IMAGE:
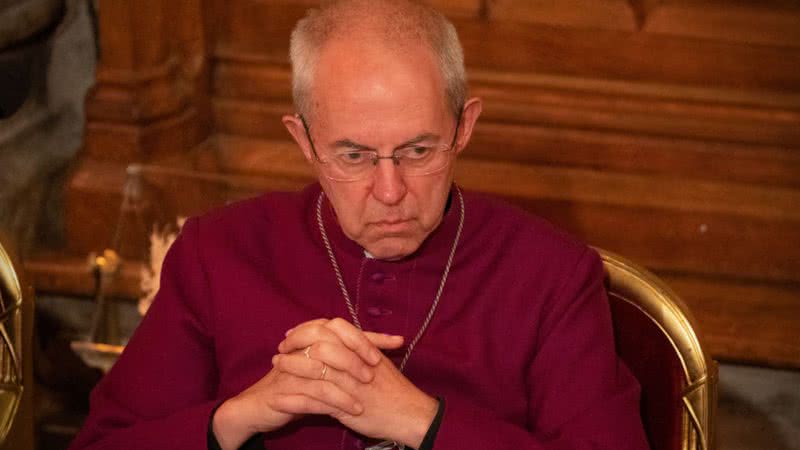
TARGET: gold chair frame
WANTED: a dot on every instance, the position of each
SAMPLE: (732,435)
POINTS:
(11,378)
(637,286)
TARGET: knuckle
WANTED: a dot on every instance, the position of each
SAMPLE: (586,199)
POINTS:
(337,323)
(323,350)
(314,333)
(356,367)
(318,350)
(321,390)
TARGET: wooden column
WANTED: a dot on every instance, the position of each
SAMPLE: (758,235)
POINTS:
(149,104)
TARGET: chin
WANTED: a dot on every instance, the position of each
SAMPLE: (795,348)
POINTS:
(392,248)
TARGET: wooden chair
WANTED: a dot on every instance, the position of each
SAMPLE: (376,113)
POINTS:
(16,328)
(656,338)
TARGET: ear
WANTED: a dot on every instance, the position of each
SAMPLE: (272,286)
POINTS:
(469,115)
(294,125)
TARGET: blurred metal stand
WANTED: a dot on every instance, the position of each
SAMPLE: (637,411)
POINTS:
(105,344)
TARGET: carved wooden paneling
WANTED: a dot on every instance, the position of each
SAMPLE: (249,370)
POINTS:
(460,8)
(664,130)
(149,77)
(616,55)
(771,22)
(749,21)
(126,142)
(607,15)
(748,321)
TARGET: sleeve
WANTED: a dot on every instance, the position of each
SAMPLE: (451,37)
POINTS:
(581,396)
(161,392)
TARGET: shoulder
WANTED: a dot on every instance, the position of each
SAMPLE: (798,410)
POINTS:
(246,226)
(519,230)
(526,250)
(268,208)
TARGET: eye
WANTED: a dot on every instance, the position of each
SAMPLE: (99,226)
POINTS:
(353,158)
(416,152)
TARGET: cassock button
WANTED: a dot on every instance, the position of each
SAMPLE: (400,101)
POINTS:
(376,311)
(377,277)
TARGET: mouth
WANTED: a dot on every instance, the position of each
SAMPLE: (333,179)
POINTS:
(392,226)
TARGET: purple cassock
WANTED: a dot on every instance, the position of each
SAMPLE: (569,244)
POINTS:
(520,348)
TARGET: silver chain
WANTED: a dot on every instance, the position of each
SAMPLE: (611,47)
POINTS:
(346,296)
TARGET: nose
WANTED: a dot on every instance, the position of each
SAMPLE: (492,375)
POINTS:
(388,187)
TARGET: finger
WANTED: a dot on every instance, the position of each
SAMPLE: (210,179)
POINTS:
(384,341)
(355,340)
(310,322)
(340,330)
(300,366)
(303,404)
(306,334)
(322,391)
(338,357)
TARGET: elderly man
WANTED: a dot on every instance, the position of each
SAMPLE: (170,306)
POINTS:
(382,307)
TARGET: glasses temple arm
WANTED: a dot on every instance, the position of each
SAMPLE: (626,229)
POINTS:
(458,124)
(308,135)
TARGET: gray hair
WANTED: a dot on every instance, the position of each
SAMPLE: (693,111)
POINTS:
(395,22)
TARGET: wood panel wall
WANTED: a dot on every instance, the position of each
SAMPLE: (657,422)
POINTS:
(667,131)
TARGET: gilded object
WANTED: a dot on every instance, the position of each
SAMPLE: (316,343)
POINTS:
(11,297)
(640,288)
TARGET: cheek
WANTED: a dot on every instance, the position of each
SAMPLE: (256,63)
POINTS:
(349,203)
(431,196)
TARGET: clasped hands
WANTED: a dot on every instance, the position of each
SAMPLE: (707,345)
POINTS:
(330,367)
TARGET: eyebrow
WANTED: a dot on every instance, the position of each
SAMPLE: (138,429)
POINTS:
(347,143)
(419,138)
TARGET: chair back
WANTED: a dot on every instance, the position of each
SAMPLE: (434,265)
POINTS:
(657,341)
(11,297)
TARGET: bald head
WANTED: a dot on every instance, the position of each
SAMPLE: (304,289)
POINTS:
(396,27)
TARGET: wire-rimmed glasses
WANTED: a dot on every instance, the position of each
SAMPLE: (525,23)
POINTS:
(355,164)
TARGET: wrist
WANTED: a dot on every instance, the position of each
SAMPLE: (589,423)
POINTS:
(227,426)
(420,421)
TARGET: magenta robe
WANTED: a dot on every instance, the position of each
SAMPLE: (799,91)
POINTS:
(521,346)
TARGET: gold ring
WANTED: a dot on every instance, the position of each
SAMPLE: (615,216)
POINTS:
(324,371)
(307,351)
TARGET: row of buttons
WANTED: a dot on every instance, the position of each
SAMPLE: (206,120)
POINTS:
(375,311)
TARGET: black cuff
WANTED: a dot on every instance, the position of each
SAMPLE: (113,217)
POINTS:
(254,443)
(430,436)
